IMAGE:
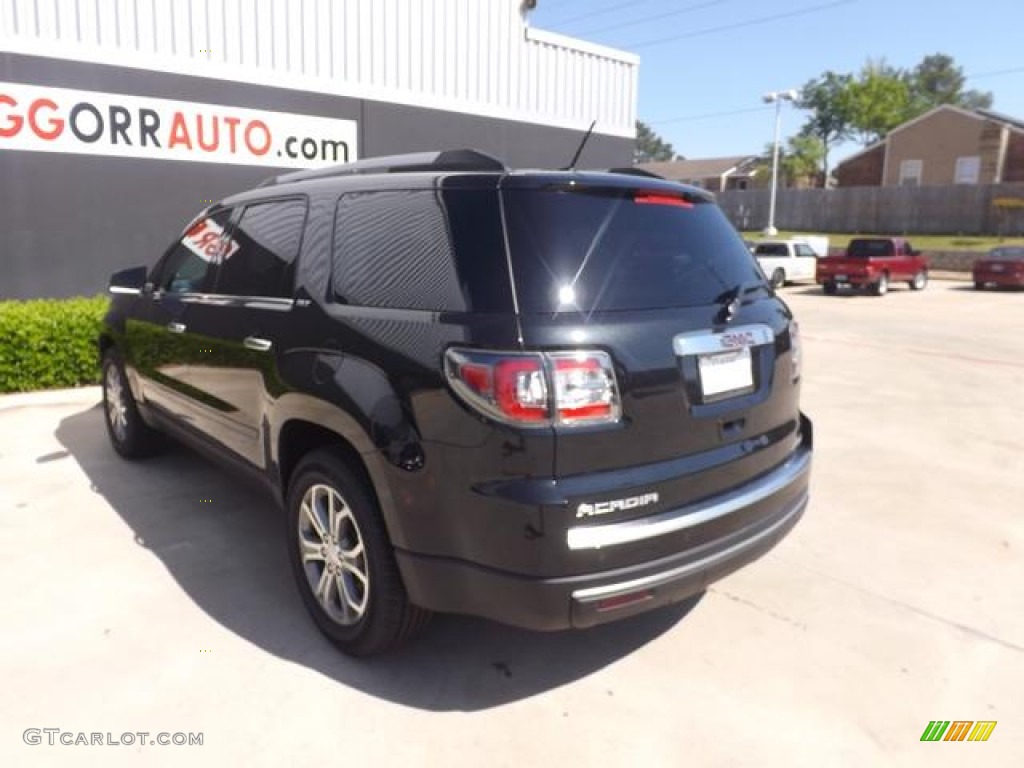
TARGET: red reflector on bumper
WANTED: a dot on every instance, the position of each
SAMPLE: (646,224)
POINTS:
(621,601)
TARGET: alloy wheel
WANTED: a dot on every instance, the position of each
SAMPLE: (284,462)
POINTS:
(117,407)
(333,555)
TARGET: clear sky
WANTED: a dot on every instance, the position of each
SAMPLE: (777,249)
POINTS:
(701,58)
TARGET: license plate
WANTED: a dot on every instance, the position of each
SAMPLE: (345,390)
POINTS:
(996,268)
(724,372)
(840,278)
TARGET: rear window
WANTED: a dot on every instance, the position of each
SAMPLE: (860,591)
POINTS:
(620,249)
(1007,254)
(865,249)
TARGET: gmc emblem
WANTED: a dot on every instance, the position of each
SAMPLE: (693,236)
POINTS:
(738,339)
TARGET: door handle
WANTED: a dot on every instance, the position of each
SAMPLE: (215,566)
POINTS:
(257,344)
(176,327)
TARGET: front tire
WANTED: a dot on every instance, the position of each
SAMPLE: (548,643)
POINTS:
(778,278)
(920,281)
(129,435)
(343,562)
(882,286)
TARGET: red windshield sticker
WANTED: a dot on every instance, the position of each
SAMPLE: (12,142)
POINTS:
(650,198)
(206,240)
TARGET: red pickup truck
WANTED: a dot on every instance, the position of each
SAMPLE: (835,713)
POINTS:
(873,263)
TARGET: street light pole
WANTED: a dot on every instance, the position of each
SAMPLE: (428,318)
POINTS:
(777,98)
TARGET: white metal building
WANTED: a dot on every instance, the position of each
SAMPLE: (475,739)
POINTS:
(138,111)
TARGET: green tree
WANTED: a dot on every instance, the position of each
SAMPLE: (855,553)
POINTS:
(827,98)
(799,161)
(880,100)
(802,161)
(938,80)
(650,147)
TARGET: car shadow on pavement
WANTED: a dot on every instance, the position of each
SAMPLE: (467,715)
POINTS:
(811,290)
(222,542)
(969,288)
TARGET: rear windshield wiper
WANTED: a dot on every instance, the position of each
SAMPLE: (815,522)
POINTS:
(731,300)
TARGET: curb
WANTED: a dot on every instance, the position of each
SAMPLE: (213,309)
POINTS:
(76,396)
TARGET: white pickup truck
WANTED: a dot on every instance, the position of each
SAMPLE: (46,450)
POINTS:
(788,261)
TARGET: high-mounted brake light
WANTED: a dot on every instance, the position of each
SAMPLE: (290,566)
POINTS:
(653,198)
(536,389)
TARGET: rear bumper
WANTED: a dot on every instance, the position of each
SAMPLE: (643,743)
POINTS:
(1003,280)
(854,280)
(451,586)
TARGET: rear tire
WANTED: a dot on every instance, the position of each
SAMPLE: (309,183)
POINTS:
(920,281)
(778,278)
(129,435)
(979,286)
(882,286)
(830,289)
(343,561)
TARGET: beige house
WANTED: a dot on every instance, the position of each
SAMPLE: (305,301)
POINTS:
(946,145)
(712,173)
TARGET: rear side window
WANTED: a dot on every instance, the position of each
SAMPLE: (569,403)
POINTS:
(621,249)
(427,249)
(258,258)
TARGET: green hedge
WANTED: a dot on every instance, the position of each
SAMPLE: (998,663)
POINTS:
(49,343)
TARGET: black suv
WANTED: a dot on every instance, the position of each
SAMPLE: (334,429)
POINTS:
(550,398)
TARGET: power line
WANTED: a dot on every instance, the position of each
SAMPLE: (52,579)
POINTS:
(741,24)
(748,110)
(709,115)
(601,12)
(994,73)
(655,17)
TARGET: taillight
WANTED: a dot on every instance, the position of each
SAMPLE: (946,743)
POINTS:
(536,389)
(795,348)
(585,390)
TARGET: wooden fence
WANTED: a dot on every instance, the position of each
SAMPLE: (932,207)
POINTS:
(947,210)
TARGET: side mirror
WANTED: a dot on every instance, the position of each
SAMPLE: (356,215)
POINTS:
(128,280)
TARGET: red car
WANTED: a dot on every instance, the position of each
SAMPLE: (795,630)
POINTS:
(873,263)
(1003,266)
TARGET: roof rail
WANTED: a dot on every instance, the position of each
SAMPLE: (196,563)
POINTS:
(445,160)
(636,172)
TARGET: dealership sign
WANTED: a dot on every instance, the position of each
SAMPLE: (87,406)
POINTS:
(39,119)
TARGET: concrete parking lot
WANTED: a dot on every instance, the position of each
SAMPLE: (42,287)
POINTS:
(156,597)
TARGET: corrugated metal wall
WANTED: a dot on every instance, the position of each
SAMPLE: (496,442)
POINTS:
(475,56)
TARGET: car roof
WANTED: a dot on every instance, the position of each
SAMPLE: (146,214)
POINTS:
(458,168)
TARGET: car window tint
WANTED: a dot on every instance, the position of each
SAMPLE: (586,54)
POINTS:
(771,249)
(258,256)
(619,249)
(1007,254)
(187,264)
(428,249)
(864,248)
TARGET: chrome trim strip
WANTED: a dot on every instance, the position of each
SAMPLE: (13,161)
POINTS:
(703,343)
(658,579)
(597,536)
(121,290)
